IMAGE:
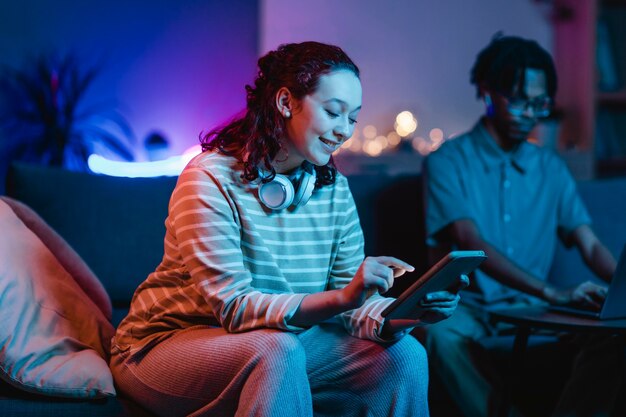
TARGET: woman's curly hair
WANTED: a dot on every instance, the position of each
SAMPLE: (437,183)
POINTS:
(254,138)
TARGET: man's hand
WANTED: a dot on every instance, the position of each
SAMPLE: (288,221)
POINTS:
(588,294)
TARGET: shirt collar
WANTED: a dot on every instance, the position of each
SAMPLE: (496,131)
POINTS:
(492,156)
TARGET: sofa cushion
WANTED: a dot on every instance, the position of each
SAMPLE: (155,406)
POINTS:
(65,254)
(55,340)
(14,402)
(115,224)
(392,217)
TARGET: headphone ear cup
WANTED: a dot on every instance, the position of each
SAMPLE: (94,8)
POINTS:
(278,193)
(305,186)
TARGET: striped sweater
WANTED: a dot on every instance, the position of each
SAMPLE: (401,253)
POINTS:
(231,262)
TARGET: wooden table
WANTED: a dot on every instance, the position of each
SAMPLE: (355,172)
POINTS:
(526,319)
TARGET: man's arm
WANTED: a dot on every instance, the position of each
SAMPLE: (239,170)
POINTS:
(596,256)
(467,236)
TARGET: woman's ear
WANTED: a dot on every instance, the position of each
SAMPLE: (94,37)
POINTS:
(284,102)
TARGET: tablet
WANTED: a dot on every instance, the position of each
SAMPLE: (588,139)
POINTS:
(438,278)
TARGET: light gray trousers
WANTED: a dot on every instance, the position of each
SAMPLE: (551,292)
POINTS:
(323,371)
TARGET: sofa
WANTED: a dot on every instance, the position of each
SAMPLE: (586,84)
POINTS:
(116,226)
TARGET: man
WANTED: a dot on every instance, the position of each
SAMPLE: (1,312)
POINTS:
(491,190)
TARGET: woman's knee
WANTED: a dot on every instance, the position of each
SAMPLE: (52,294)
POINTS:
(277,346)
(409,361)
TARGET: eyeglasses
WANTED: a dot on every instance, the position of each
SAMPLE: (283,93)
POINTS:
(541,106)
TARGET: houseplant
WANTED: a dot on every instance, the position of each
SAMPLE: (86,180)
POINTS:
(45,117)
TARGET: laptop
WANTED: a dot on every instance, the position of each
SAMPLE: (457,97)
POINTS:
(614,306)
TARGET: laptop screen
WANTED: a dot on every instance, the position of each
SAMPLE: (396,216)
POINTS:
(614,306)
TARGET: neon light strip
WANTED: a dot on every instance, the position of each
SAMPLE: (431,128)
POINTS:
(171,166)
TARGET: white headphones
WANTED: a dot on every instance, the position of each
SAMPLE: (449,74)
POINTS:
(284,191)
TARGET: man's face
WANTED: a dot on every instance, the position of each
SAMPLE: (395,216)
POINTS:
(515,116)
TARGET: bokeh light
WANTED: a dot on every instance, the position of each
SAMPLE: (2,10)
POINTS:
(394,139)
(372,148)
(382,141)
(369,132)
(421,145)
(436,135)
(372,142)
(405,123)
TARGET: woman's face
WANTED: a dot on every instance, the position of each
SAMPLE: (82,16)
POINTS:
(322,121)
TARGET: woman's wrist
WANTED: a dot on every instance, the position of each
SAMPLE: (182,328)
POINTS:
(317,307)
(346,300)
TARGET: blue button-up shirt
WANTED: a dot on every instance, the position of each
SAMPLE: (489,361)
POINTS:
(520,201)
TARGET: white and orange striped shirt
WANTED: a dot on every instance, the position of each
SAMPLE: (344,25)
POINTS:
(231,262)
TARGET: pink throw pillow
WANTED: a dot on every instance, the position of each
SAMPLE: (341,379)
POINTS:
(54,339)
(64,253)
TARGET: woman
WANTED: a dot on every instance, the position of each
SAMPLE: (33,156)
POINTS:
(263,304)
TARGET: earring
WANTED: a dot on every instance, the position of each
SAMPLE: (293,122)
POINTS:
(287,114)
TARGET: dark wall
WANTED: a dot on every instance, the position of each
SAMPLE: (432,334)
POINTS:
(177,67)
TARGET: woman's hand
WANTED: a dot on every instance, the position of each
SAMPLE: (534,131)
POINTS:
(434,307)
(376,274)
(437,306)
